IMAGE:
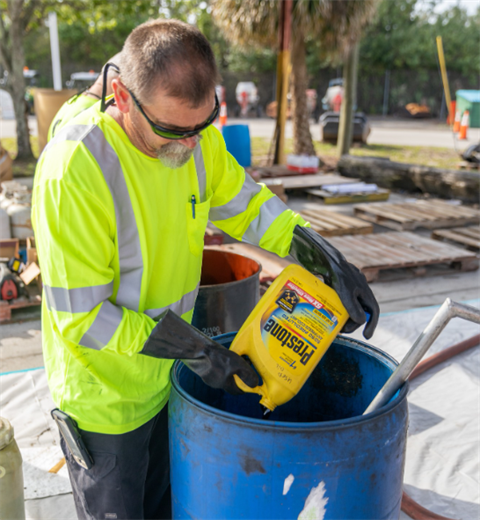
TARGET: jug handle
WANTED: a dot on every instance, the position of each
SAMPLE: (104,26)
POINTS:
(245,388)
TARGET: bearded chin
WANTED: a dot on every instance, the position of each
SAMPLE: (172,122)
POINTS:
(174,155)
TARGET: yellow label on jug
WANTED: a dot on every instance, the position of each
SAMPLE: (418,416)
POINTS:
(288,332)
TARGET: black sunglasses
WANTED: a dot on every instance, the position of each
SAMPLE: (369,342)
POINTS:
(168,133)
(161,131)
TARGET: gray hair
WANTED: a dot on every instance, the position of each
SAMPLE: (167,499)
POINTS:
(172,55)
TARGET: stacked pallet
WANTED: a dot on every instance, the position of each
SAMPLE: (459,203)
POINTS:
(468,237)
(331,224)
(394,250)
(406,216)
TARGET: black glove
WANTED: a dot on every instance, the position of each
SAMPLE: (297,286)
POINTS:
(320,258)
(174,338)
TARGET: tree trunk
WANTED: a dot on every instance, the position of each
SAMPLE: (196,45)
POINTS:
(459,184)
(16,84)
(302,139)
(345,127)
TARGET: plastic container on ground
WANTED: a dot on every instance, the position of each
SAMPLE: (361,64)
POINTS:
(47,103)
(237,140)
(316,456)
(303,163)
(19,212)
(4,224)
(11,475)
(229,290)
(9,189)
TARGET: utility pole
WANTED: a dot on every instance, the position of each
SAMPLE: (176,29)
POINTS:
(446,87)
(55,49)
(345,126)
(283,69)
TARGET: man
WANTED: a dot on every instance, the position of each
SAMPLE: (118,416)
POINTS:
(83,100)
(121,202)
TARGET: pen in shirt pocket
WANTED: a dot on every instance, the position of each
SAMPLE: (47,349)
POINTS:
(194,201)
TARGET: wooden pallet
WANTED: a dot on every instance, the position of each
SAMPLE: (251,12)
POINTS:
(349,198)
(7,309)
(406,216)
(401,250)
(468,237)
(302,182)
(332,224)
(466,165)
(278,170)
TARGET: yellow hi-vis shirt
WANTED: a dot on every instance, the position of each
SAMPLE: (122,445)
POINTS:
(119,242)
(71,108)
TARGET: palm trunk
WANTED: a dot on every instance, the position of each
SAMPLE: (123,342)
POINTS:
(345,130)
(302,139)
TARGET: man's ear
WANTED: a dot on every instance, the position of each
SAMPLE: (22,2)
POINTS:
(122,97)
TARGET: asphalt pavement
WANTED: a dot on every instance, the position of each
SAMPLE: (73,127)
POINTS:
(388,131)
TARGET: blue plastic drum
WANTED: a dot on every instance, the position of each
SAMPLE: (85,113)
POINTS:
(237,139)
(315,457)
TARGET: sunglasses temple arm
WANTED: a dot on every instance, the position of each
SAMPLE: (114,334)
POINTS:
(103,105)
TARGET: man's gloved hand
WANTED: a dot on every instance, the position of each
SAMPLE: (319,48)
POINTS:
(320,258)
(174,338)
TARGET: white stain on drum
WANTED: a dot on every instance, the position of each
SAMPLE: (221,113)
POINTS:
(288,483)
(315,505)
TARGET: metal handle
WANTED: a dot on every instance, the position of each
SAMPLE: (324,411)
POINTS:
(447,311)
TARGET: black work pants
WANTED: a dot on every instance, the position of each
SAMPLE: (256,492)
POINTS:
(131,475)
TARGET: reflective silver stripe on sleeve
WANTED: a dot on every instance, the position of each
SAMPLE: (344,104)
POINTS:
(104,326)
(269,211)
(81,299)
(68,133)
(239,203)
(201,172)
(130,254)
(180,307)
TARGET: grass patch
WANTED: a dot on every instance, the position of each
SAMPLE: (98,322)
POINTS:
(426,156)
(21,168)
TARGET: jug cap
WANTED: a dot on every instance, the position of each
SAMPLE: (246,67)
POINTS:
(6,433)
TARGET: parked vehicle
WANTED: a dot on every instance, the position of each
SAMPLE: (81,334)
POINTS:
(82,80)
(330,121)
(334,95)
(247,97)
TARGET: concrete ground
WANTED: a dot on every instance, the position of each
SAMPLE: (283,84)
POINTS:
(20,343)
(8,127)
(388,131)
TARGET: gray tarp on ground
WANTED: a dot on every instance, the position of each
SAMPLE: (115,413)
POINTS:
(442,470)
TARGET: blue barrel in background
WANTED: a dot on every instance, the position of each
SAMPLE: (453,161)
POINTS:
(316,457)
(237,139)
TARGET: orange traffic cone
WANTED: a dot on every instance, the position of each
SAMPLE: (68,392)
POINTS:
(456,122)
(222,120)
(462,134)
(451,112)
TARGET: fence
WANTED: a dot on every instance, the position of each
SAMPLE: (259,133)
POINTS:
(378,92)
(383,92)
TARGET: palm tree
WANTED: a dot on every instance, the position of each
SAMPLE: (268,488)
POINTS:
(337,24)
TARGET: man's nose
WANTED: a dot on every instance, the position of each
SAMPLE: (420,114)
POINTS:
(189,142)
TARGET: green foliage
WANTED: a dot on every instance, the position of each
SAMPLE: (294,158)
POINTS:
(403,37)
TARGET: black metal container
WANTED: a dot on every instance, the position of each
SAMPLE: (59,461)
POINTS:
(229,290)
